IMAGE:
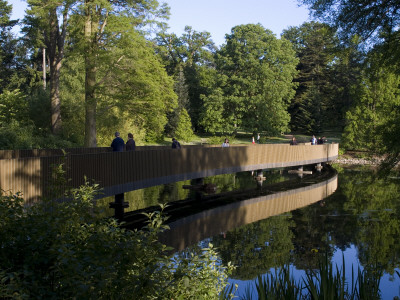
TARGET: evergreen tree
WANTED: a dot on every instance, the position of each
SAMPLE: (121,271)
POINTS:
(183,130)
(10,51)
(315,45)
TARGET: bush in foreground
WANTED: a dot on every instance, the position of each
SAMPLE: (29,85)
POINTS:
(62,250)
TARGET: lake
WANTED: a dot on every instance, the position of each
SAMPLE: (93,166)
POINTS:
(284,219)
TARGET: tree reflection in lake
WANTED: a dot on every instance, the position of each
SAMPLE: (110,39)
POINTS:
(361,217)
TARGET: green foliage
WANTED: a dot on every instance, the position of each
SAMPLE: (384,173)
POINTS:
(253,83)
(17,136)
(62,250)
(375,108)
(279,286)
(184,130)
(187,58)
(327,74)
(13,107)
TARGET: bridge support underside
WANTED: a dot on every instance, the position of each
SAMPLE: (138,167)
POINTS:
(140,184)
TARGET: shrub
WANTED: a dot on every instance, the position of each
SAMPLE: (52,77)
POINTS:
(55,250)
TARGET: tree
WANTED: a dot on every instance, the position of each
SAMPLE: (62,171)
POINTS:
(50,19)
(317,48)
(255,87)
(376,22)
(352,17)
(374,107)
(183,130)
(104,26)
(191,54)
(133,91)
(10,50)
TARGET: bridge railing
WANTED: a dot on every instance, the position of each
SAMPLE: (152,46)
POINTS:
(119,172)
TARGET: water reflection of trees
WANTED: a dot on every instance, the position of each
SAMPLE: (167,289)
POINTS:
(257,247)
(375,203)
(364,211)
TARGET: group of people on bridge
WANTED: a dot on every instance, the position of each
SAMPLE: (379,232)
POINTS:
(118,144)
(313,140)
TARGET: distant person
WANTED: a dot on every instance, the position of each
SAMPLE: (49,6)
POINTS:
(258,138)
(313,140)
(118,143)
(225,143)
(175,144)
(130,144)
(293,141)
(252,140)
(321,140)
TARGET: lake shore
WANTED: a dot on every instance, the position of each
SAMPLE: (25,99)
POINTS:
(346,160)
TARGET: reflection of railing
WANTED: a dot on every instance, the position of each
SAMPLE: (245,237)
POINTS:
(29,171)
(188,231)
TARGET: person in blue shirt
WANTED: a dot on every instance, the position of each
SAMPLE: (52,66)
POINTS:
(175,144)
(118,143)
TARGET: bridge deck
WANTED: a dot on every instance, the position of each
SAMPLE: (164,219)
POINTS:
(29,171)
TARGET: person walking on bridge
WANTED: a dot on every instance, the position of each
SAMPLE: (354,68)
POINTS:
(175,144)
(313,140)
(118,143)
(293,141)
(130,144)
(225,143)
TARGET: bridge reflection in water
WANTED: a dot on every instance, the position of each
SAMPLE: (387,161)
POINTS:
(190,230)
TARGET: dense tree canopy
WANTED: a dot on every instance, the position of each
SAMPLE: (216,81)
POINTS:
(328,71)
(253,83)
(354,17)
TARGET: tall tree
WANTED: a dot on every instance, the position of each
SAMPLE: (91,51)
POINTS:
(8,48)
(191,53)
(322,68)
(374,107)
(51,21)
(376,22)
(253,83)
(104,24)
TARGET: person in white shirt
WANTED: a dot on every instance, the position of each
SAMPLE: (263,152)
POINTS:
(225,143)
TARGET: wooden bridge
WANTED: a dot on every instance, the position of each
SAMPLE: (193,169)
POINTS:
(30,171)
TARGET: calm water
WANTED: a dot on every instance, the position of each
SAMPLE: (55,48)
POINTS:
(353,214)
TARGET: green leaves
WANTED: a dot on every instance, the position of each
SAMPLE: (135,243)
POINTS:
(259,70)
(64,250)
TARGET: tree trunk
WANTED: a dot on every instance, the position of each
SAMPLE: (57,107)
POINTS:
(90,79)
(55,97)
(55,57)
(44,68)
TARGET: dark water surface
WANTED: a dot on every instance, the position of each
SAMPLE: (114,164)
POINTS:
(351,214)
